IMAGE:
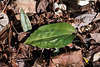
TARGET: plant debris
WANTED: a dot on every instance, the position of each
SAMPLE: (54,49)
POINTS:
(58,48)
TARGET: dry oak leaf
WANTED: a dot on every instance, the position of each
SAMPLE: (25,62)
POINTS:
(29,6)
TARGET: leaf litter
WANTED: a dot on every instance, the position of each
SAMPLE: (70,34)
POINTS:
(85,19)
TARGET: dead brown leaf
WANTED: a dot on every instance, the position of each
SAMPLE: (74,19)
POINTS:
(4,26)
(42,6)
(22,35)
(3,21)
(93,49)
(29,6)
(67,59)
(95,36)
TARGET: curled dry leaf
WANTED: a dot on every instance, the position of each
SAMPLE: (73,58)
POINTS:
(67,59)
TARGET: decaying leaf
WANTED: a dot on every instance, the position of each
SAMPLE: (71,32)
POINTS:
(25,22)
(4,26)
(3,21)
(53,35)
(95,36)
(70,59)
(42,6)
(94,51)
(21,36)
(85,19)
(29,6)
(96,57)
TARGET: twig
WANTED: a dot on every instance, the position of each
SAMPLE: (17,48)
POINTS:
(40,21)
(2,44)
(5,6)
(15,29)
(10,31)
(81,38)
(94,22)
(18,50)
(92,48)
(42,52)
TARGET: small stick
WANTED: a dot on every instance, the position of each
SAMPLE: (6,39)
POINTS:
(5,7)
(14,27)
(81,38)
(2,44)
(18,50)
(42,52)
(40,21)
(10,31)
(94,22)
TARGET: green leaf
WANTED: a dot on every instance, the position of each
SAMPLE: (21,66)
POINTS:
(25,22)
(53,35)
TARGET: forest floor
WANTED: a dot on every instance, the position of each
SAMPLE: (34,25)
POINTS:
(83,51)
